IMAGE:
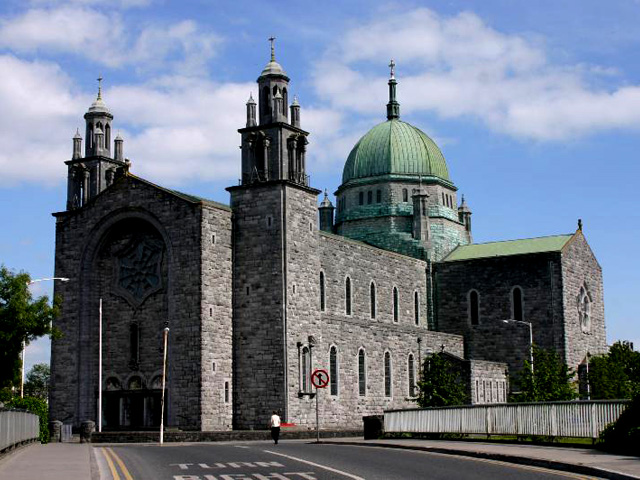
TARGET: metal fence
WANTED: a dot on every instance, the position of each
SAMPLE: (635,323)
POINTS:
(17,426)
(553,419)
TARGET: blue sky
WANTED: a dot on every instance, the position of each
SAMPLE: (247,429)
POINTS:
(536,106)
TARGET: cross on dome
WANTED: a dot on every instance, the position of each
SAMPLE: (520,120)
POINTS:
(100,87)
(392,66)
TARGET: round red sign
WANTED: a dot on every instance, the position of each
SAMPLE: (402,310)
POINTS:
(320,378)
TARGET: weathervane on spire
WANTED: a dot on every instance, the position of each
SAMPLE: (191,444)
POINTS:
(392,66)
(100,87)
(272,40)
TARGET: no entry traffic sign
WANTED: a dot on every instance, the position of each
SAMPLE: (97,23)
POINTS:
(320,378)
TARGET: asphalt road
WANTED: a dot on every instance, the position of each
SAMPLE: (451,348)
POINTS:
(299,460)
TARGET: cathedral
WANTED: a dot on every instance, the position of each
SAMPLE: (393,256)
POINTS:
(259,293)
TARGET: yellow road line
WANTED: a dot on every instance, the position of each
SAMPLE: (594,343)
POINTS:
(112,467)
(123,469)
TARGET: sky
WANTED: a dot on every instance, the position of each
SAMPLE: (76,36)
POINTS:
(535,105)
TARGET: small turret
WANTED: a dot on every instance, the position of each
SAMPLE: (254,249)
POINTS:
(77,145)
(277,107)
(464,215)
(326,209)
(295,112)
(420,214)
(118,151)
(251,112)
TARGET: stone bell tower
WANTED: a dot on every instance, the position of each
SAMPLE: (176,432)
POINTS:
(275,225)
(91,174)
(273,145)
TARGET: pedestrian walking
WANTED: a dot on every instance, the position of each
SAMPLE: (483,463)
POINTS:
(274,424)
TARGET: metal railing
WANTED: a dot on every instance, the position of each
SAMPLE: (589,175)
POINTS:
(17,426)
(552,419)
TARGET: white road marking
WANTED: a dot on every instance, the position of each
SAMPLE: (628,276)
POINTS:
(241,446)
(340,472)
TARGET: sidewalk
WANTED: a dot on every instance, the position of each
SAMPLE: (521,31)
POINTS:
(578,460)
(54,461)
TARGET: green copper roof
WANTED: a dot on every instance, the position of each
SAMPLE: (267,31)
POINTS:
(510,247)
(395,147)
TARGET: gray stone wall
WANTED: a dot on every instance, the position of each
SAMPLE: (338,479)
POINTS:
(539,277)
(216,319)
(488,382)
(258,303)
(339,258)
(581,269)
(86,241)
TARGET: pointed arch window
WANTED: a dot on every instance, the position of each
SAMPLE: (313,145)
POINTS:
(305,369)
(516,304)
(285,101)
(347,296)
(396,308)
(405,195)
(361,198)
(322,293)
(411,371)
(387,374)
(378,196)
(333,369)
(416,307)
(134,345)
(474,307)
(369,197)
(372,299)
(584,309)
(362,373)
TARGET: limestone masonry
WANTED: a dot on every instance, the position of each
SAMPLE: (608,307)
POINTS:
(260,293)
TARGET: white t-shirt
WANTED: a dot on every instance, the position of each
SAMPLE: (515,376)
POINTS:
(275,420)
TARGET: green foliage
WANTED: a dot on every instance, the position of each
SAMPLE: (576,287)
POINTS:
(37,383)
(623,436)
(37,406)
(440,384)
(549,380)
(21,319)
(616,374)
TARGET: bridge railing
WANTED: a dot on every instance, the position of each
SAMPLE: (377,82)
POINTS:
(553,419)
(17,426)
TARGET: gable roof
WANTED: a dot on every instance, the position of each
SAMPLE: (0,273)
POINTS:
(507,248)
(182,195)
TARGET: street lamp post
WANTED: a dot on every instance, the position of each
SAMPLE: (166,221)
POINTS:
(530,338)
(24,342)
(165,336)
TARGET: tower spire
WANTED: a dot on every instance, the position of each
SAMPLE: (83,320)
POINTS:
(272,40)
(100,87)
(393,107)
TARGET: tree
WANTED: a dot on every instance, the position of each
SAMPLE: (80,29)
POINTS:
(440,384)
(615,374)
(37,384)
(21,319)
(550,379)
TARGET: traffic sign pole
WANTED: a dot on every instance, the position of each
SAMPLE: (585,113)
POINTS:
(319,379)
(317,417)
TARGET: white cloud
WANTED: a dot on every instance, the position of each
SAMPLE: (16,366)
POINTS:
(107,39)
(39,112)
(460,67)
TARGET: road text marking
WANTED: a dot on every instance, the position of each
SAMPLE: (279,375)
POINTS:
(340,472)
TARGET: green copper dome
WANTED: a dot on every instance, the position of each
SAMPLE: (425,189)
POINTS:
(395,147)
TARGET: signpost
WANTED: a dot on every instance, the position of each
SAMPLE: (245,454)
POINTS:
(319,379)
